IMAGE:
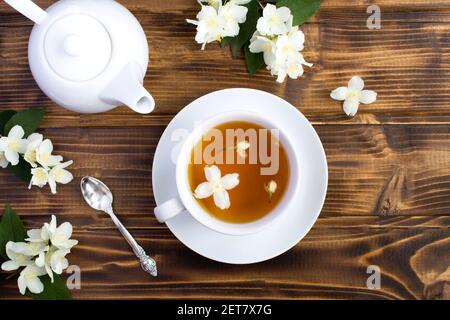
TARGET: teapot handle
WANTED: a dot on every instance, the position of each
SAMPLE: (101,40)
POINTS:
(29,9)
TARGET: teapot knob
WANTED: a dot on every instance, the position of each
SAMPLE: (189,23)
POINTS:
(74,45)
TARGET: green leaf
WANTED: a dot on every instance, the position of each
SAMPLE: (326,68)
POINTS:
(11,229)
(4,118)
(255,61)
(246,29)
(302,10)
(28,119)
(22,170)
(53,291)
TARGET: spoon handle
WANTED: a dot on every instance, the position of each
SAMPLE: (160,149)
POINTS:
(147,263)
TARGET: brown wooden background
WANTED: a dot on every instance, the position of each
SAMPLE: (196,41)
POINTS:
(388,200)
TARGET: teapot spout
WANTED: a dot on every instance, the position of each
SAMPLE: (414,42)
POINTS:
(126,88)
(29,9)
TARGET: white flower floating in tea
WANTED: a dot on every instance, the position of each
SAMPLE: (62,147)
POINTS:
(217,186)
(280,42)
(271,188)
(242,147)
(353,94)
(44,253)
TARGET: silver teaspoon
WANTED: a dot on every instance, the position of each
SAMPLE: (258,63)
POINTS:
(99,197)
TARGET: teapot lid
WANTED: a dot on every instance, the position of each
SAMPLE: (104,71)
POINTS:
(77,47)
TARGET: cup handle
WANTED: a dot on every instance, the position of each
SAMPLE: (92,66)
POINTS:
(168,210)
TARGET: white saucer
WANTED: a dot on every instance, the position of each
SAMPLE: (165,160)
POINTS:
(303,210)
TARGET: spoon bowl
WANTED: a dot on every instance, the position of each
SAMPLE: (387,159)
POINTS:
(96,193)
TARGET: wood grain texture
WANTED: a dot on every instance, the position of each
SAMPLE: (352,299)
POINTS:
(405,62)
(389,167)
(328,263)
(373,170)
(387,200)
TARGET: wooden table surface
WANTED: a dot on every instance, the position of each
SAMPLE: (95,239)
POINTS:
(388,201)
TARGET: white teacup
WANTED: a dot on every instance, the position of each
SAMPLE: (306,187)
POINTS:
(186,201)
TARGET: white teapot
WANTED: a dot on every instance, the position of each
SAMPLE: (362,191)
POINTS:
(88,55)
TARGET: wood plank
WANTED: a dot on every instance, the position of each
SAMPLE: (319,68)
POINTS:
(163,6)
(404,62)
(93,221)
(373,171)
(328,263)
